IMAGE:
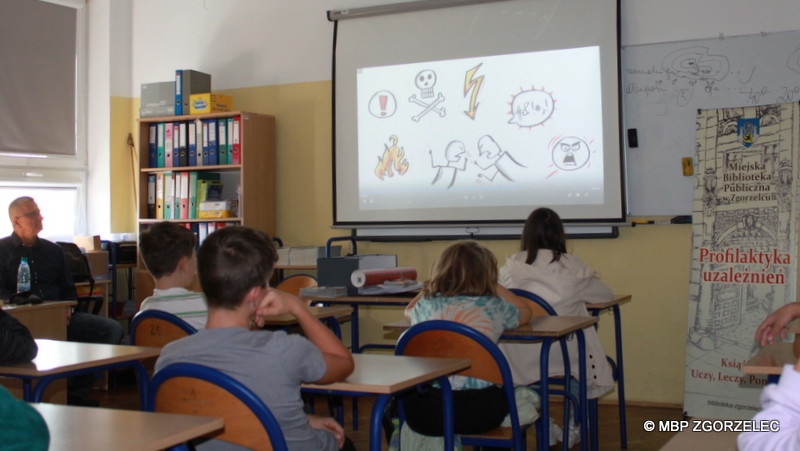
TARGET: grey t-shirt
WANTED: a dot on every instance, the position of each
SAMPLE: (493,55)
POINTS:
(272,365)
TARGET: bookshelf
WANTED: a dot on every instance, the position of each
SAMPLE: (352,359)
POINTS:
(255,173)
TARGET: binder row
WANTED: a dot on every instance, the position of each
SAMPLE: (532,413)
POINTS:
(177,195)
(203,229)
(202,142)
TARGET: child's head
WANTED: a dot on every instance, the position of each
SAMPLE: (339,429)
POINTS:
(465,268)
(543,230)
(231,262)
(163,245)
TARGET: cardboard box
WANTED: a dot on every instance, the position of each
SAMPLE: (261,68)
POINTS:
(210,103)
(158,99)
(336,272)
(192,82)
(88,243)
(308,255)
(98,264)
(212,214)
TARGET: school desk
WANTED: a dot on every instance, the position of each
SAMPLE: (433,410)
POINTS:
(388,375)
(317,312)
(546,329)
(355,302)
(770,361)
(92,428)
(62,359)
(45,320)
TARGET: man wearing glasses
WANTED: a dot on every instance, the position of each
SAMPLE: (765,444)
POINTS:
(51,280)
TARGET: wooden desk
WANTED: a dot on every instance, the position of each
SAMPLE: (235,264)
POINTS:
(45,320)
(355,302)
(538,328)
(62,359)
(386,375)
(545,329)
(317,312)
(770,361)
(91,428)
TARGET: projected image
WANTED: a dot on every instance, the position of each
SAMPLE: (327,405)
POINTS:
(531,108)
(392,158)
(457,140)
(569,154)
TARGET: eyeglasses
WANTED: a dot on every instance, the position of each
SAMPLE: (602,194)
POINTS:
(30,214)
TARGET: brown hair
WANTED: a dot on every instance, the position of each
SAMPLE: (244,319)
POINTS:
(543,230)
(232,261)
(465,268)
(163,245)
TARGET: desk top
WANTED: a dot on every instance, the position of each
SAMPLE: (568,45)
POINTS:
(539,326)
(43,306)
(386,374)
(93,428)
(60,356)
(618,300)
(770,359)
(317,312)
(407,297)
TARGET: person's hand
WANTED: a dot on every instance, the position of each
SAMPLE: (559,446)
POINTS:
(776,323)
(276,303)
(328,424)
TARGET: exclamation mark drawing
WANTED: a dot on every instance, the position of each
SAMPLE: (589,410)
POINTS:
(383,105)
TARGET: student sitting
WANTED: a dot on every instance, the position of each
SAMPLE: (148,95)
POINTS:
(780,420)
(168,253)
(463,288)
(234,265)
(545,269)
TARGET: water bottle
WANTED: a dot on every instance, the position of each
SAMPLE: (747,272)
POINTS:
(23,276)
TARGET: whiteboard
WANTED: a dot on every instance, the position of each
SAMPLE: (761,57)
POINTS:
(663,86)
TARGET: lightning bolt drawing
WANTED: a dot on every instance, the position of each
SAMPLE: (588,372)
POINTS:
(474,83)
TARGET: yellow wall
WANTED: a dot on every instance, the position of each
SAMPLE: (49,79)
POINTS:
(649,262)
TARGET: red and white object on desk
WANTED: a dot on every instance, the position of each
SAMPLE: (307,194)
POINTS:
(367,277)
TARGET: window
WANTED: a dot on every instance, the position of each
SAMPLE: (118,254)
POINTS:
(42,98)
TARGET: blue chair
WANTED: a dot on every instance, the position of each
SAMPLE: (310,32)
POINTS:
(156,328)
(440,338)
(190,389)
(592,403)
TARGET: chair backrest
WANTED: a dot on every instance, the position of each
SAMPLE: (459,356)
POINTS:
(536,301)
(538,306)
(76,262)
(156,328)
(293,284)
(439,338)
(191,389)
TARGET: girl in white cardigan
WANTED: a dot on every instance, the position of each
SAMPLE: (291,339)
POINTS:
(545,269)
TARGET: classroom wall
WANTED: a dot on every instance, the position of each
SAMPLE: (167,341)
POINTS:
(274,58)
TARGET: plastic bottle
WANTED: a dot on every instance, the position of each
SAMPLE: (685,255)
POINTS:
(23,276)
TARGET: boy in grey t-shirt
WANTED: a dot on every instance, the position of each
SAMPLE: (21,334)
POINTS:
(234,265)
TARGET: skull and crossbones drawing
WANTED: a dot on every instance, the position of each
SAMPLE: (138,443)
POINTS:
(425,81)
